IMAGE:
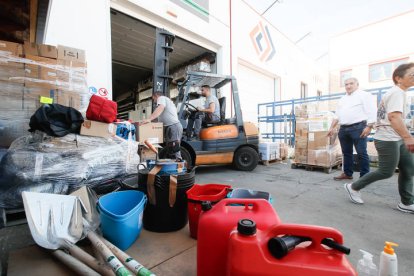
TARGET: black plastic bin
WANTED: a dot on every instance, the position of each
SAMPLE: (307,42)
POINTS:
(161,217)
(107,186)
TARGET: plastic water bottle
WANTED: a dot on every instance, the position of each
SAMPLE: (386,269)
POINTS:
(366,266)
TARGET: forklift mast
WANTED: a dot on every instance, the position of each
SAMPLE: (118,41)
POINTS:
(163,48)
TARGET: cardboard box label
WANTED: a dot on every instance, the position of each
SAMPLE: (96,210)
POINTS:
(68,53)
(46,100)
(311,136)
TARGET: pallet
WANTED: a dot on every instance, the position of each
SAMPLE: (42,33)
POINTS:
(269,162)
(12,217)
(309,167)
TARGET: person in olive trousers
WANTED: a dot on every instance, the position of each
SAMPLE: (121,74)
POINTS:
(393,141)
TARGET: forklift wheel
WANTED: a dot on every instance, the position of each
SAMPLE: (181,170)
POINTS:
(187,157)
(184,154)
(245,159)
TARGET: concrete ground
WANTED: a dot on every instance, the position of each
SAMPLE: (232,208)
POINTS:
(299,196)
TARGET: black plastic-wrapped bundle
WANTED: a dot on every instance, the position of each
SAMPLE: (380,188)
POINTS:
(59,165)
(161,217)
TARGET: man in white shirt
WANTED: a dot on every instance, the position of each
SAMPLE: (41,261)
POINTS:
(356,115)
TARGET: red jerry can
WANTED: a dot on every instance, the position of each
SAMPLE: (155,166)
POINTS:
(215,225)
(249,252)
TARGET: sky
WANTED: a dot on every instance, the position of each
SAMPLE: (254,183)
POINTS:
(315,21)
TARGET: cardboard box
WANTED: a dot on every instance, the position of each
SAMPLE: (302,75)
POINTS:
(320,140)
(35,97)
(47,51)
(30,49)
(41,50)
(69,98)
(154,132)
(42,73)
(284,151)
(69,53)
(12,72)
(98,129)
(11,95)
(12,48)
(324,158)
(146,154)
(71,75)
(301,142)
(301,156)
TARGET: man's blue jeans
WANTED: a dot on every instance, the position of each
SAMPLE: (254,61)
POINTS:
(349,136)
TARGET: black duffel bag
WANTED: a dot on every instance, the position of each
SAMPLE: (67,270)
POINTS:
(56,120)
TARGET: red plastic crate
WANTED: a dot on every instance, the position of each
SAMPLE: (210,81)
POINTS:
(199,193)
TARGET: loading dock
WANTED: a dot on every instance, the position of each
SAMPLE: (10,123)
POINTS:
(132,42)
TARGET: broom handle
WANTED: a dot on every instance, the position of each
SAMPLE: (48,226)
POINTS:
(130,262)
(114,263)
(74,264)
(89,260)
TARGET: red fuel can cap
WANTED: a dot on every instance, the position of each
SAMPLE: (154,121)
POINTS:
(246,227)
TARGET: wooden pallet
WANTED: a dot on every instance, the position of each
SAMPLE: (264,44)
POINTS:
(11,217)
(269,162)
(309,167)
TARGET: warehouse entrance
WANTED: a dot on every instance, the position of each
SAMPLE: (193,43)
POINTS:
(133,62)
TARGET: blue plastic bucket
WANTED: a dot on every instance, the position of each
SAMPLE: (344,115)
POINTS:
(168,167)
(121,217)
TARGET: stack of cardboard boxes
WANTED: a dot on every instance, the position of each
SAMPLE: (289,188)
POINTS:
(301,141)
(313,146)
(32,75)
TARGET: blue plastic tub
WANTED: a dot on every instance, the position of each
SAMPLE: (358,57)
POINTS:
(168,167)
(121,216)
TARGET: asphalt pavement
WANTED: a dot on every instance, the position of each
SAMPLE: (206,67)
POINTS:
(305,197)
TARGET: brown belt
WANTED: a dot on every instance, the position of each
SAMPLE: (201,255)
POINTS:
(172,186)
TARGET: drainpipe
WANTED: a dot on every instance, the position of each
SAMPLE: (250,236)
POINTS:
(231,63)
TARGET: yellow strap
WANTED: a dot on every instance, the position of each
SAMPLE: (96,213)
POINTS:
(173,190)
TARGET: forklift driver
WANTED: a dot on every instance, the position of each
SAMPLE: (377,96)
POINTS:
(209,114)
(166,112)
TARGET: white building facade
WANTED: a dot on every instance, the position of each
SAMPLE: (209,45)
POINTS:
(267,65)
(371,52)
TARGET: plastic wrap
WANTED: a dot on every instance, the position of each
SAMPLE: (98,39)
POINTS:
(27,83)
(328,157)
(313,146)
(43,163)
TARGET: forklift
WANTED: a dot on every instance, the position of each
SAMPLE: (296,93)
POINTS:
(229,141)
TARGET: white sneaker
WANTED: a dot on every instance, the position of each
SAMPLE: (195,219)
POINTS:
(406,208)
(355,196)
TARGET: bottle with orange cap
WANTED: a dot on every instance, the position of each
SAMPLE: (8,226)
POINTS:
(388,261)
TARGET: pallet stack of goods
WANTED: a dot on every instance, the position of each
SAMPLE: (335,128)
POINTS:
(32,75)
(269,152)
(323,151)
(301,134)
(313,147)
